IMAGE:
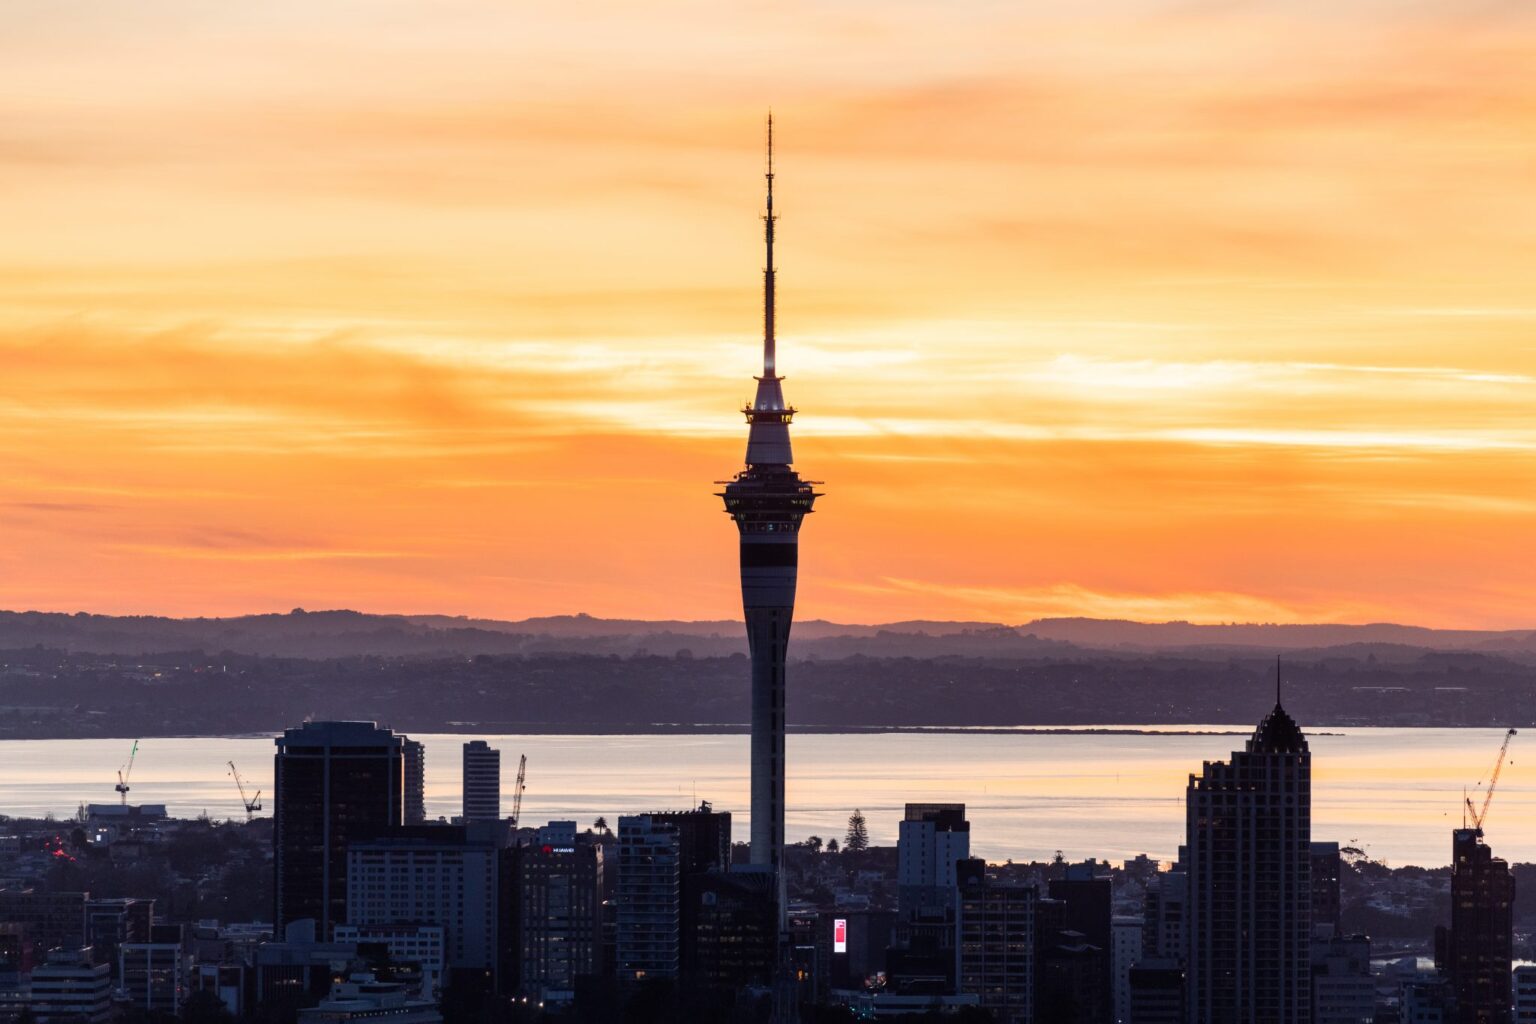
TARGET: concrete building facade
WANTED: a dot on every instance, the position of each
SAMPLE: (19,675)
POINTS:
(430,875)
(482,782)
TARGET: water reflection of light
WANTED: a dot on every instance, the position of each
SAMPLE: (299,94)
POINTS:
(1398,791)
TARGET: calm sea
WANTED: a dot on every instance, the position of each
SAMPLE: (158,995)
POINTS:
(1395,792)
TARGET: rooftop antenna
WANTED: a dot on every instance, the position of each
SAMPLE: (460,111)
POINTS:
(1277,680)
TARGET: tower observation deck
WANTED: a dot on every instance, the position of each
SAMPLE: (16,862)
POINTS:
(768,501)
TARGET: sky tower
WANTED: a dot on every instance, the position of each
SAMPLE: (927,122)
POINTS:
(768,500)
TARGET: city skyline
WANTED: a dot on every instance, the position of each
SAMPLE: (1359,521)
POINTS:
(369,368)
(379,335)
(465,907)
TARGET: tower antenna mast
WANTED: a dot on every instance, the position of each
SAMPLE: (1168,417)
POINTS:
(770,368)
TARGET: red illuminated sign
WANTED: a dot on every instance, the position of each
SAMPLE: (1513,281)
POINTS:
(840,935)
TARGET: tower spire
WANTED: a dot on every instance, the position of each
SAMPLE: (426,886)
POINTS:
(1277,680)
(769,369)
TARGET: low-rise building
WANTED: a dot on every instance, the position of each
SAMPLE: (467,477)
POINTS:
(1156,991)
(445,875)
(111,922)
(51,920)
(421,944)
(362,997)
(226,981)
(154,975)
(1343,991)
(71,987)
(1524,984)
(1125,950)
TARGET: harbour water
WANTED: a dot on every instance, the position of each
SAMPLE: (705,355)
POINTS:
(1396,793)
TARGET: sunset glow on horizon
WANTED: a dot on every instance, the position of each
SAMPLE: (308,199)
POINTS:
(1168,311)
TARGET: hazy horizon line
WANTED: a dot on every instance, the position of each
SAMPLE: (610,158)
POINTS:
(580,615)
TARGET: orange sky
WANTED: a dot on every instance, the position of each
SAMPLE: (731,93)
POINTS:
(1174,310)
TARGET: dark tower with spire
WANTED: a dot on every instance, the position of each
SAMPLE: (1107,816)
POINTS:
(768,501)
(1248,860)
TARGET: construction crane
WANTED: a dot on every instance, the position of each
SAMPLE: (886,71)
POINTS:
(1477,814)
(517,790)
(125,771)
(252,803)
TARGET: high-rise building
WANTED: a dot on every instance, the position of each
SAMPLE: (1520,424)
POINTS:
(663,858)
(768,501)
(1248,848)
(1479,945)
(560,907)
(335,782)
(446,875)
(482,781)
(997,943)
(1086,894)
(414,755)
(931,840)
(649,893)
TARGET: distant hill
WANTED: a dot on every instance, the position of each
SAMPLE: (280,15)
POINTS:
(342,633)
(1110,633)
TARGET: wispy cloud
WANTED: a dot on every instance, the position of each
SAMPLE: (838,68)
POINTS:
(1127,309)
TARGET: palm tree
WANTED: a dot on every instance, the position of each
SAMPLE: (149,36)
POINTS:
(814,842)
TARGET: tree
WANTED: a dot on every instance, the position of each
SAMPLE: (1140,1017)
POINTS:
(814,842)
(600,825)
(858,832)
(832,845)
